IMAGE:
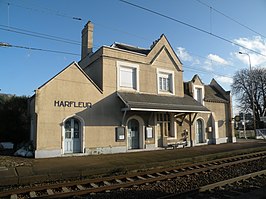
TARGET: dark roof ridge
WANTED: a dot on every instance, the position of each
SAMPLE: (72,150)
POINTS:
(130,48)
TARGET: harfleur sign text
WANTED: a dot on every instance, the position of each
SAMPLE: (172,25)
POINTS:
(72,104)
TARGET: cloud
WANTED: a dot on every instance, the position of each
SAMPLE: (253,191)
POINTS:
(208,63)
(213,61)
(257,44)
(185,56)
(224,79)
(217,59)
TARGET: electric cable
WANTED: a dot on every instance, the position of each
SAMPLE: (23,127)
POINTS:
(230,18)
(191,26)
(38,49)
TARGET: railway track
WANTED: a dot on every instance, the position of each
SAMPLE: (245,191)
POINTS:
(107,184)
(238,187)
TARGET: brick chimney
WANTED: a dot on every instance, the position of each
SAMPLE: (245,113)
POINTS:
(87,40)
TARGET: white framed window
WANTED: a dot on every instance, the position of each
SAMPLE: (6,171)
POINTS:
(165,79)
(199,93)
(166,124)
(127,76)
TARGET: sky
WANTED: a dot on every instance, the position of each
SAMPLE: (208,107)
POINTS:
(205,34)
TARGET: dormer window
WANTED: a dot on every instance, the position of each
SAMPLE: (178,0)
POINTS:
(165,80)
(127,76)
(199,93)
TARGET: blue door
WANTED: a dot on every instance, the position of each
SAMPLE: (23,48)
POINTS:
(72,142)
(133,134)
(199,131)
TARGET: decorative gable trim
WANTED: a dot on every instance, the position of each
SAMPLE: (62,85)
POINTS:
(75,64)
(168,53)
(163,44)
(197,77)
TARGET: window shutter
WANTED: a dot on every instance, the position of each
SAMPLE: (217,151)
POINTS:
(128,77)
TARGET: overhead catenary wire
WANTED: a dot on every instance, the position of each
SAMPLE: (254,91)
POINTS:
(2,44)
(199,29)
(45,10)
(191,26)
(230,18)
(76,43)
(69,41)
(39,35)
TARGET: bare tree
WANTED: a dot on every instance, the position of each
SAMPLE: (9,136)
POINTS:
(243,81)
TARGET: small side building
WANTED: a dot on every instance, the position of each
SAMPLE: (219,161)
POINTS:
(219,127)
(124,98)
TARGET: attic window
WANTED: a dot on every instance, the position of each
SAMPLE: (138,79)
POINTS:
(199,94)
(165,81)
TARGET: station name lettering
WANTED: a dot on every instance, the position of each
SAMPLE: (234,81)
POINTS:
(72,104)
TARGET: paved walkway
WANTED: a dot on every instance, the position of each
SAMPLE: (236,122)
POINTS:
(80,166)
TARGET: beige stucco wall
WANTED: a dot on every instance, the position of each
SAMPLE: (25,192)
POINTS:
(147,71)
(73,85)
(221,115)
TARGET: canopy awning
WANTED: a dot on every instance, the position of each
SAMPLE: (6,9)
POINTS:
(160,103)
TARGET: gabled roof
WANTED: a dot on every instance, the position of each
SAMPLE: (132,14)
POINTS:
(161,44)
(153,52)
(78,67)
(151,102)
(130,48)
(197,77)
(213,95)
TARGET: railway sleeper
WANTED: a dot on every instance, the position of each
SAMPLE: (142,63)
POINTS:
(130,179)
(14,196)
(50,192)
(33,194)
(65,189)
(94,185)
(80,187)
(107,183)
(141,178)
(151,176)
(119,181)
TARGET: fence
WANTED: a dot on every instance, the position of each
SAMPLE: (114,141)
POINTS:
(261,134)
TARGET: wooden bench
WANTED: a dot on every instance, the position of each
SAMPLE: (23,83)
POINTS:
(176,145)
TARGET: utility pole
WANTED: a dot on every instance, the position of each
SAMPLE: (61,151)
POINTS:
(252,91)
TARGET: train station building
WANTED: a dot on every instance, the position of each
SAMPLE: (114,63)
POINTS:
(123,98)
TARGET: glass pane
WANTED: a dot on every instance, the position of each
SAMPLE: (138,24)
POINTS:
(68,134)
(199,95)
(76,125)
(167,84)
(76,134)
(161,83)
(164,84)
(68,125)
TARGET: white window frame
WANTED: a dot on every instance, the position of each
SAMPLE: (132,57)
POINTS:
(127,65)
(165,74)
(195,87)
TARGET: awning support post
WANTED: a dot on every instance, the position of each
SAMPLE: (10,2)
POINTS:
(191,121)
(190,131)
(123,119)
(194,118)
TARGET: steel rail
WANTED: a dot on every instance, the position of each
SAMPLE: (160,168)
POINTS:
(210,187)
(231,181)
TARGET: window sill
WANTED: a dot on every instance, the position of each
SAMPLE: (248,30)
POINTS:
(165,93)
